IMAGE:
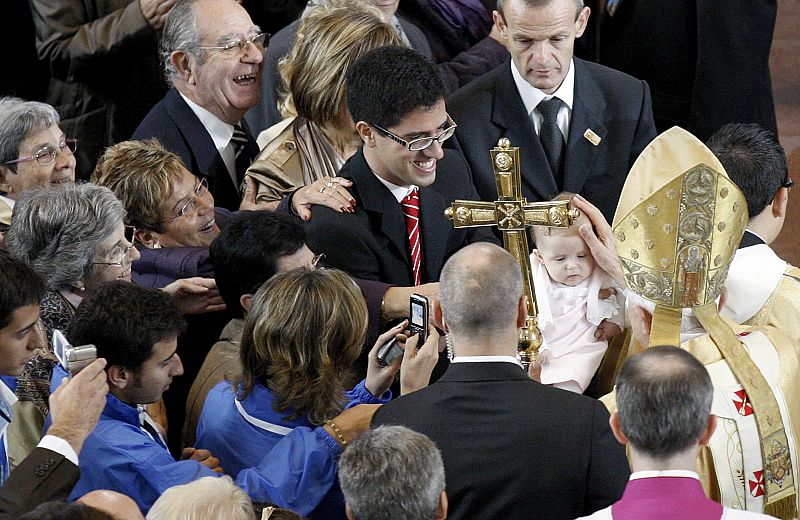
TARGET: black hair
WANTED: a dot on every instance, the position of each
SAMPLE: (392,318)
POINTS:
(19,286)
(388,83)
(246,253)
(664,400)
(754,160)
(124,321)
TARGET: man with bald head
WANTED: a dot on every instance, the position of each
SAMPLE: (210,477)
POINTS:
(512,448)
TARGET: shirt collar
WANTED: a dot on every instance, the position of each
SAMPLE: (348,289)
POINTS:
(532,96)
(220,131)
(665,473)
(486,359)
(7,399)
(398,192)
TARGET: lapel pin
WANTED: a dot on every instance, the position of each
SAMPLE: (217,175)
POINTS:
(592,137)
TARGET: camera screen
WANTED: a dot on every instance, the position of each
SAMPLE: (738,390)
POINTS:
(417,314)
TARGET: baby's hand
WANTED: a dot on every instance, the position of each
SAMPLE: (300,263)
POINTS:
(544,356)
(603,294)
(606,330)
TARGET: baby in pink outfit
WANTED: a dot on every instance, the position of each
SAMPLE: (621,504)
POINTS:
(580,308)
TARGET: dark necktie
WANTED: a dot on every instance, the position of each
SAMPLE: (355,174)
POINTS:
(147,425)
(552,138)
(411,213)
(240,154)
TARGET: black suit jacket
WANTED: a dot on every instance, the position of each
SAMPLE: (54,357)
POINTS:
(613,105)
(173,123)
(371,243)
(513,448)
(43,476)
(702,70)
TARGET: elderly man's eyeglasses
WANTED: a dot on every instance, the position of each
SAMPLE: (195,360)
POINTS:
(788,183)
(188,208)
(239,46)
(130,235)
(47,154)
(415,145)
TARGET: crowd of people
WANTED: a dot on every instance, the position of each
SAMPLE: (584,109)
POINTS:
(201,274)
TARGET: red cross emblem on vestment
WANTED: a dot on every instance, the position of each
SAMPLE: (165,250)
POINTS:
(743,406)
(757,485)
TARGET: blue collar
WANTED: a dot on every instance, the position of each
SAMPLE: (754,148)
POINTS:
(119,411)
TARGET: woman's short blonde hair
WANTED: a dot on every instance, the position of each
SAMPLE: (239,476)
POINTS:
(328,40)
(141,174)
(208,498)
(304,331)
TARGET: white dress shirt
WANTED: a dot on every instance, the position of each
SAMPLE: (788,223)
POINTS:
(532,96)
(220,132)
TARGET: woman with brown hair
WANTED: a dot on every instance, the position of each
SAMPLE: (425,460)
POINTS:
(316,142)
(304,330)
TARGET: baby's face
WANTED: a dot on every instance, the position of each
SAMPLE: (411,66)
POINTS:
(566,258)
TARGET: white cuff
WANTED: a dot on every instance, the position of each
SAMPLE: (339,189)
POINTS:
(59,445)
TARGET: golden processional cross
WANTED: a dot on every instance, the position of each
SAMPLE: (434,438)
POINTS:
(513,214)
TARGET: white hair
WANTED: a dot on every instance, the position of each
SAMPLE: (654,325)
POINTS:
(208,498)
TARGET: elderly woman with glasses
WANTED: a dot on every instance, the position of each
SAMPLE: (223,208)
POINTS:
(75,239)
(312,146)
(33,152)
(172,210)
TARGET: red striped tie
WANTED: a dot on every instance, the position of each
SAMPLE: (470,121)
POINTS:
(411,213)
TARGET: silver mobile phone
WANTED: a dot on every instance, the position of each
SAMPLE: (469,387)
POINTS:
(73,359)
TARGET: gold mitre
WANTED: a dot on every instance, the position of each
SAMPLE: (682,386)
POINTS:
(678,224)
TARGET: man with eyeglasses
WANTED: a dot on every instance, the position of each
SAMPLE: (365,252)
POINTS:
(762,288)
(34,152)
(212,54)
(402,178)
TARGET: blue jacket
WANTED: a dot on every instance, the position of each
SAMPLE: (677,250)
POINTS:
(238,440)
(119,455)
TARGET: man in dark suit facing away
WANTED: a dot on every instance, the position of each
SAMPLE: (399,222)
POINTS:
(512,447)
(579,125)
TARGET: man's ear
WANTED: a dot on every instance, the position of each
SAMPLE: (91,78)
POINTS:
(616,428)
(582,21)
(522,311)
(780,202)
(181,62)
(498,20)
(246,301)
(348,512)
(442,514)
(436,305)
(366,133)
(148,239)
(119,377)
(712,425)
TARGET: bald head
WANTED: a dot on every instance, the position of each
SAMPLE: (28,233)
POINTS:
(481,286)
(119,506)
(664,400)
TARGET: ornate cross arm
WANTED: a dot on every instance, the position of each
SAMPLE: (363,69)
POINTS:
(512,214)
